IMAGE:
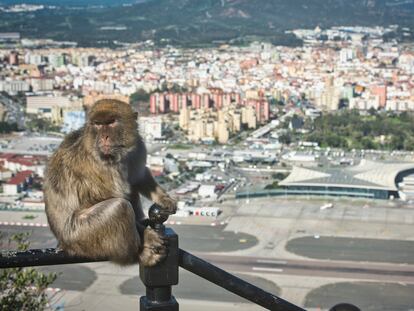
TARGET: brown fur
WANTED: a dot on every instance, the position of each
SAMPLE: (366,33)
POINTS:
(92,187)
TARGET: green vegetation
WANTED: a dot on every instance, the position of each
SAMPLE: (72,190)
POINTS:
(180,146)
(279,176)
(23,288)
(140,96)
(194,23)
(29,217)
(350,130)
(174,88)
(274,185)
(8,127)
(36,124)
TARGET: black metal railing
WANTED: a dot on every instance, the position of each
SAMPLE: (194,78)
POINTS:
(159,279)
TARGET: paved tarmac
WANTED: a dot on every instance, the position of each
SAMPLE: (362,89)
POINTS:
(259,230)
(213,239)
(71,277)
(194,287)
(367,296)
(192,238)
(339,248)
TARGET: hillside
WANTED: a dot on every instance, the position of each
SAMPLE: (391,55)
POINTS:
(192,22)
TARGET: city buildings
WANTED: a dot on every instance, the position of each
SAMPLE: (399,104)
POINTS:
(50,107)
(151,128)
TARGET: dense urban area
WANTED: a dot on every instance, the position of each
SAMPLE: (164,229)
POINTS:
(284,160)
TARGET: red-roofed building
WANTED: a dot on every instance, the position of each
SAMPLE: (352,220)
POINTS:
(18,183)
(17,162)
(5,174)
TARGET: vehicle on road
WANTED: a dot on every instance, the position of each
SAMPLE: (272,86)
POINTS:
(326,206)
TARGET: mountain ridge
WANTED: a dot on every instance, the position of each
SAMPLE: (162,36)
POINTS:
(189,22)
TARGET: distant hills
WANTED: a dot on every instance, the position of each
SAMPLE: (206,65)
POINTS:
(69,2)
(201,22)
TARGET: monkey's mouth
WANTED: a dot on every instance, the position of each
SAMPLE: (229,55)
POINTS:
(108,149)
(111,153)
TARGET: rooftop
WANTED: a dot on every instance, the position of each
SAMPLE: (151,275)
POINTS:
(367,174)
(20,177)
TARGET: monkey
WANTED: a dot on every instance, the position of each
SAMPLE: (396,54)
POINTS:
(92,188)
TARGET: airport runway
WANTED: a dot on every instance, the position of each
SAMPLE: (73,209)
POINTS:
(368,296)
(321,268)
(205,239)
(373,276)
(361,249)
(192,237)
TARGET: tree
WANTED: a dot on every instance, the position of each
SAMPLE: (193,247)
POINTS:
(274,185)
(372,111)
(23,289)
(285,138)
(8,127)
(279,175)
(37,124)
(140,96)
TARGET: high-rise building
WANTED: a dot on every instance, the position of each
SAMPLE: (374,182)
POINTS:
(223,132)
(52,108)
(41,84)
(381,92)
(151,127)
(184,119)
(14,58)
(195,101)
(56,60)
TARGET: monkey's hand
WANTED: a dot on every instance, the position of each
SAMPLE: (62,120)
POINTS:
(154,248)
(167,203)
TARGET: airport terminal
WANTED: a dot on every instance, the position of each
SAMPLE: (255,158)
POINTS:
(368,179)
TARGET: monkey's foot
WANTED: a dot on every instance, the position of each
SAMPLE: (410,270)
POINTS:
(154,248)
(168,203)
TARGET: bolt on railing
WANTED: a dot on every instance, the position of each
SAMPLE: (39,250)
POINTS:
(159,279)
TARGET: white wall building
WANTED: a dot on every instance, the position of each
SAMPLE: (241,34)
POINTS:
(151,127)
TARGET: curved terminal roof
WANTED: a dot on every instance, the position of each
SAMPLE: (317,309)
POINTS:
(367,175)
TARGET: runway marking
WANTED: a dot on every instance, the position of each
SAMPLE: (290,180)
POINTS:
(24,224)
(49,289)
(276,262)
(266,269)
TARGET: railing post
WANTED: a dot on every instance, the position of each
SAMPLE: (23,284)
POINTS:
(159,279)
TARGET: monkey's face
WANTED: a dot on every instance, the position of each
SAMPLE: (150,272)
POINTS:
(113,131)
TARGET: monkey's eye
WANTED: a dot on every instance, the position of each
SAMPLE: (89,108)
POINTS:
(110,122)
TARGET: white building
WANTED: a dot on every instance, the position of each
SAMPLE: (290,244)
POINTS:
(151,127)
(207,191)
(14,86)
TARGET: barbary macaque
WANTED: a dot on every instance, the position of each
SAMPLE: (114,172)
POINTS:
(93,184)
